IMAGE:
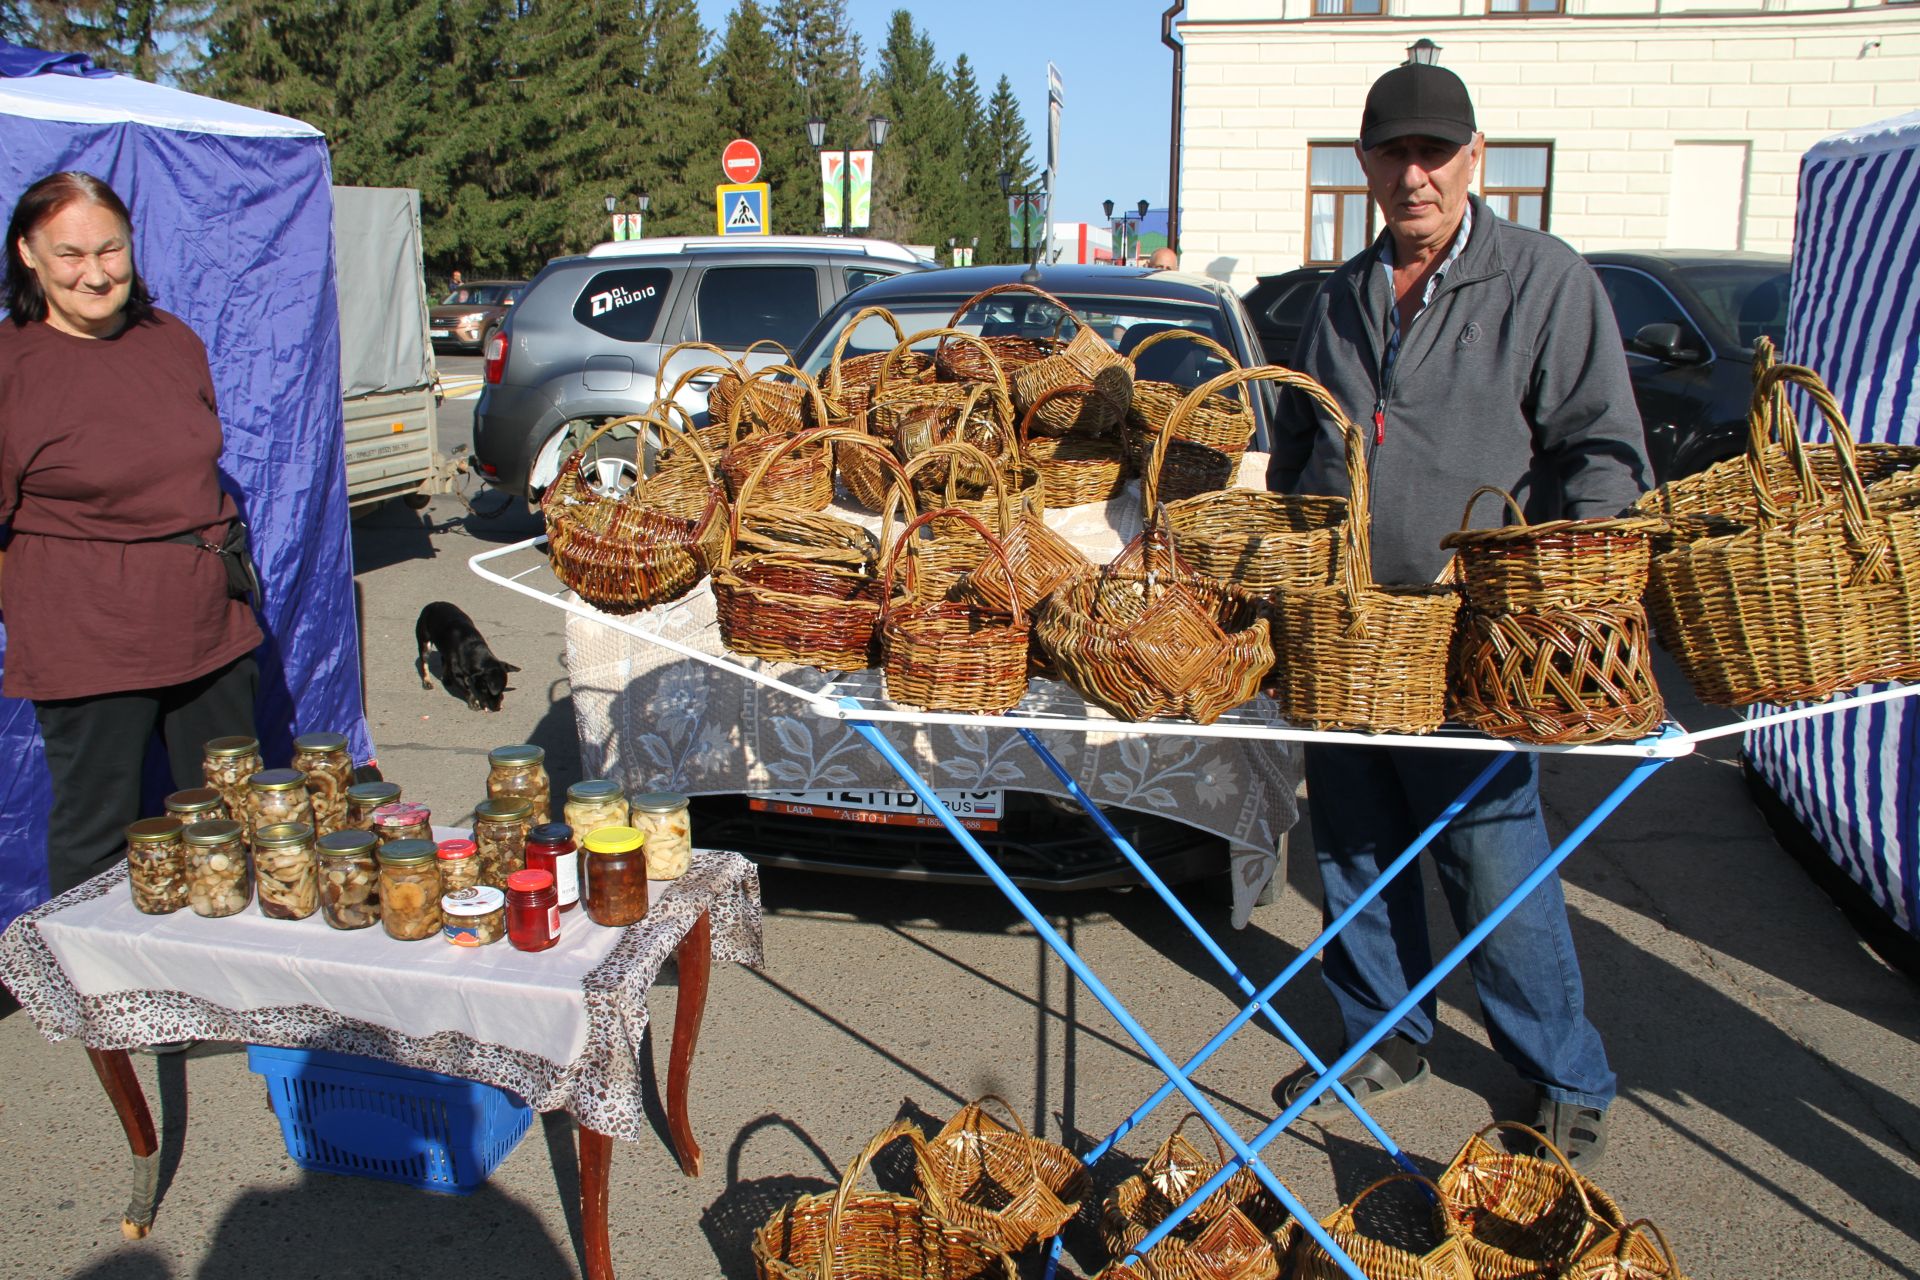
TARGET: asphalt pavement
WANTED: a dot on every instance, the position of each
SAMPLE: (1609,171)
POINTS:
(1769,1116)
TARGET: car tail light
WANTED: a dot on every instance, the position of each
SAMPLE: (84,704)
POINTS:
(496,357)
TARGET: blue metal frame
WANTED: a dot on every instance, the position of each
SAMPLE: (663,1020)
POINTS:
(1245,1154)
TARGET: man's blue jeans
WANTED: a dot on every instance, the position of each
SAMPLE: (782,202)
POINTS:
(1368,805)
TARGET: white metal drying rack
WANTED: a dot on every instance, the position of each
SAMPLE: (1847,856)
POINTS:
(859,700)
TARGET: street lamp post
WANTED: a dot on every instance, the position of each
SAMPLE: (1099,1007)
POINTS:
(877,127)
(1027,246)
(1422,51)
(646,203)
(613,203)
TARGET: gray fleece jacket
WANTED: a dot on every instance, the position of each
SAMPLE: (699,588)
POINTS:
(1514,376)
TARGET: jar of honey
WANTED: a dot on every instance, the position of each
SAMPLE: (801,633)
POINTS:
(616,876)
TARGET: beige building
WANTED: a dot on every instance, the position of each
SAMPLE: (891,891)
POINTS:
(1611,123)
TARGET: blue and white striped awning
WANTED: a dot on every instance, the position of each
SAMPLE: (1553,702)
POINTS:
(1854,318)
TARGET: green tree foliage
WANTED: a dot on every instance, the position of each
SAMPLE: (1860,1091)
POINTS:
(919,195)
(754,97)
(1008,146)
(822,58)
(676,166)
(151,39)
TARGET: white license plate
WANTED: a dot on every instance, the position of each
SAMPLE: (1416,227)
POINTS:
(439,333)
(978,810)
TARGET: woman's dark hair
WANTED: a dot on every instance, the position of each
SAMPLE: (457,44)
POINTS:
(24,298)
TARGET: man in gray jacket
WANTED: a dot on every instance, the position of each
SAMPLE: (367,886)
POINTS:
(1472,351)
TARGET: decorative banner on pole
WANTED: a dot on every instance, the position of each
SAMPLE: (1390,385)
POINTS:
(862,182)
(1027,220)
(619,226)
(832,165)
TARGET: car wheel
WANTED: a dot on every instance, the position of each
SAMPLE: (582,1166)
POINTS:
(613,474)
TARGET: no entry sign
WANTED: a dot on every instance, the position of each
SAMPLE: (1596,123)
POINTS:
(740,161)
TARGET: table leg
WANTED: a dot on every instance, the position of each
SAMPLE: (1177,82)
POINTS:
(596,1157)
(696,963)
(115,1070)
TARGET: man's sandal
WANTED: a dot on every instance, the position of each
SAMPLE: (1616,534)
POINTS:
(1369,1078)
(1579,1131)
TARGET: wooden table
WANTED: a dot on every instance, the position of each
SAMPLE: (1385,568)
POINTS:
(566,1036)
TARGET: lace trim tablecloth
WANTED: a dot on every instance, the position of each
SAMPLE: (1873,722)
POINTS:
(591,1071)
(656,721)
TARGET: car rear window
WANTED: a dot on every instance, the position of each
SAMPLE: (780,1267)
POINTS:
(623,304)
(743,305)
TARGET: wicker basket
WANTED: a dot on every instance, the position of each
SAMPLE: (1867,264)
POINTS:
(850,382)
(1219,428)
(1523,567)
(1003,1184)
(949,548)
(950,655)
(902,398)
(1445,1259)
(1228,1237)
(1085,360)
(1355,655)
(624,553)
(1523,1216)
(872,1235)
(726,389)
(802,477)
(1638,1251)
(1575,673)
(1075,469)
(1803,604)
(1248,538)
(964,363)
(1145,639)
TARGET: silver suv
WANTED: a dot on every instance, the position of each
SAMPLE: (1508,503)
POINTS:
(585,341)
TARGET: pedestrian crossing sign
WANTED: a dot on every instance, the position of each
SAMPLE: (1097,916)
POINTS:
(740,208)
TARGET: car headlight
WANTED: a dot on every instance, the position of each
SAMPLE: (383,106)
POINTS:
(474,317)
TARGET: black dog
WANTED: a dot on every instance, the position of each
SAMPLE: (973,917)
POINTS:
(466,664)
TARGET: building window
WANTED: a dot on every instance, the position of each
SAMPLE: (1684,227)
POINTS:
(1514,181)
(1524,8)
(1349,8)
(1340,219)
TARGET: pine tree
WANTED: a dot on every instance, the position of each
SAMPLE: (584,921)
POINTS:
(675,166)
(979,185)
(755,98)
(150,39)
(1008,146)
(822,58)
(918,195)
(277,55)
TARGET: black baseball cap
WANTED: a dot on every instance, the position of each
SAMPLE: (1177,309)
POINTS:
(1417,99)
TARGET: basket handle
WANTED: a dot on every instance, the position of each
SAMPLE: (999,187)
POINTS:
(578,458)
(879,1142)
(1026,419)
(980,1103)
(1189,335)
(1344,1215)
(834,383)
(1016,287)
(995,476)
(809,388)
(1646,1226)
(1513,507)
(1218,1146)
(943,334)
(1869,545)
(1558,1155)
(903,545)
(838,437)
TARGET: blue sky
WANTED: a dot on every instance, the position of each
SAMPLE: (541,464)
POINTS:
(1118,78)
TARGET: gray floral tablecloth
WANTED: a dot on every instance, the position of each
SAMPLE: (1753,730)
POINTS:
(655,720)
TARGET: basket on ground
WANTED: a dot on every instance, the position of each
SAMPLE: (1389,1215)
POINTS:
(1638,1251)
(1249,538)
(340,1113)
(1522,1215)
(1230,1236)
(853,1234)
(623,552)
(1001,1182)
(1355,655)
(1444,1257)
(1806,602)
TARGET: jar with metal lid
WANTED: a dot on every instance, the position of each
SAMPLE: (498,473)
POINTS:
(402,820)
(157,865)
(349,879)
(533,911)
(324,758)
(219,878)
(364,797)
(276,796)
(661,816)
(473,917)
(409,889)
(227,764)
(616,876)
(500,830)
(551,848)
(286,872)
(459,865)
(520,772)
(196,804)
(594,804)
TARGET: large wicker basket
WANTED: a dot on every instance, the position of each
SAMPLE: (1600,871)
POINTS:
(1074,469)
(950,655)
(624,553)
(850,381)
(1355,655)
(1803,604)
(1205,452)
(1523,1216)
(1085,359)
(1444,1256)
(1248,538)
(803,477)
(872,1235)
(1001,1182)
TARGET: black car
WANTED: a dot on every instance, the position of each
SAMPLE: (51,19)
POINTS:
(1689,319)
(1277,305)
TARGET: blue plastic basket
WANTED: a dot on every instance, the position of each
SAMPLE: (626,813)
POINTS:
(346,1114)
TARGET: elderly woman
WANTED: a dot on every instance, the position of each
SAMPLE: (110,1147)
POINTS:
(120,619)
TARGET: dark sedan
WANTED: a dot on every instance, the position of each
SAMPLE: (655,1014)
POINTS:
(1689,319)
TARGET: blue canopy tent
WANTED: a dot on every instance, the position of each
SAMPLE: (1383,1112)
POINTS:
(233,233)
(1852,780)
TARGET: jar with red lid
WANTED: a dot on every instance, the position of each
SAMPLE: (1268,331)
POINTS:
(459,865)
(533,910)
(550,847)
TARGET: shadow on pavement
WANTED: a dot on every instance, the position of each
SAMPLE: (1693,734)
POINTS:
(747,1203)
